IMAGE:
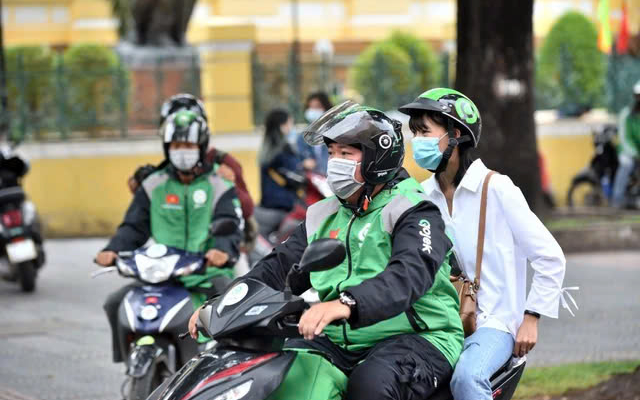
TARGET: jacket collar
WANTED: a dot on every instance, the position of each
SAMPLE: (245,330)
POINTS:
(383,197)
(471,180)
(202,169)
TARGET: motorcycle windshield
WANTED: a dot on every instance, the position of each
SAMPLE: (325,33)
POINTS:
(347,123)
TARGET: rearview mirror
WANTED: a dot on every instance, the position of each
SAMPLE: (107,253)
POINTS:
(322,255)
(223,227)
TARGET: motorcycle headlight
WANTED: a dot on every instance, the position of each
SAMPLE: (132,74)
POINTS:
(153,270)
(236,392)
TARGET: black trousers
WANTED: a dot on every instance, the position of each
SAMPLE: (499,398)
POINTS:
(110,308)
(404,367)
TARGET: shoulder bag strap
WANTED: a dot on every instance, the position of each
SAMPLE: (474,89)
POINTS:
(481,226)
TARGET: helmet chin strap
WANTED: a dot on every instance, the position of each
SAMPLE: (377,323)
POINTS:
(453,142)
(363,200)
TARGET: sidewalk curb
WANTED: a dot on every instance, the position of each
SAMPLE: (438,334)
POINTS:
(599,238)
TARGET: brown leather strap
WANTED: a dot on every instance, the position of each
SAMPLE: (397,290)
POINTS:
(481,226)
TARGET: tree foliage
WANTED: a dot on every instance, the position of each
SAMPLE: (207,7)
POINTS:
(95,82)
(29,76)
(29,87)
(395,71)
(570,68)
(425,67)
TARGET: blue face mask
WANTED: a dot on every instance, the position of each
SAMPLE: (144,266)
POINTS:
(426,152)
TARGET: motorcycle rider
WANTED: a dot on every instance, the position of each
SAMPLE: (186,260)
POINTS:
(401,335)
(176,206)
(629,128)
(224,164)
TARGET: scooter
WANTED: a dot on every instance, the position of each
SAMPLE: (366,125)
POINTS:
(20,237)
(250,323)
(152,316)
(593,185)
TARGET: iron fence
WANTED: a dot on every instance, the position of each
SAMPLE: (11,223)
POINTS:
(70,101)
(274,85)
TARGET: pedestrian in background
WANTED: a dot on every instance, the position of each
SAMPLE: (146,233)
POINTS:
(317,104)
(281,172)
(629,128)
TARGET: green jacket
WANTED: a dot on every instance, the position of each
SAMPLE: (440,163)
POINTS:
(179,215)
(396,269)
(629,132)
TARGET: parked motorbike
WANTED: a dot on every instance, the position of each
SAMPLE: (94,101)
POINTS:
(20,231)
(593,185)
(152,316)
(250,323)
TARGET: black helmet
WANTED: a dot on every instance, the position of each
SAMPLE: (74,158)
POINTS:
(453,105)
(185,126)
(182,101)
(379,137)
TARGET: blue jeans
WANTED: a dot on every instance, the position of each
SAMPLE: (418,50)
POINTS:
(625,168)
(483,354)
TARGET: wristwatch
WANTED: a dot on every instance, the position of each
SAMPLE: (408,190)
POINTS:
(532,313)
(348,300)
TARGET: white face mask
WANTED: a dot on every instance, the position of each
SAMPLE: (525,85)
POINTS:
(184,159)
(341,177)
(313,114)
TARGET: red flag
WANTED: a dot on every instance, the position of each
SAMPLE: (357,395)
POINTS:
(622,46)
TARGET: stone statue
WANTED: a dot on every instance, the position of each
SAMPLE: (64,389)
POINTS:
(160,23)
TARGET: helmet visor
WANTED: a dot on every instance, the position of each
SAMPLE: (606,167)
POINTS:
(347,123)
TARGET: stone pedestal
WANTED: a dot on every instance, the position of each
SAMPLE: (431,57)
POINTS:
(155,74)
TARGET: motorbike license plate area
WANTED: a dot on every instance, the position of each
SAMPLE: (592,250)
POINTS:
(21,251)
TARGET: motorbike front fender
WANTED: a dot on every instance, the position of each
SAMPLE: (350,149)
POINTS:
(586,175)
(142,357)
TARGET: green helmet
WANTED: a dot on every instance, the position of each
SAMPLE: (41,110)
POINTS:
(451,104)
(185,126)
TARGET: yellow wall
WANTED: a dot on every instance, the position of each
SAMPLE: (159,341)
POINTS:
(226,76)
(89,196)
(565,156)
(58,22)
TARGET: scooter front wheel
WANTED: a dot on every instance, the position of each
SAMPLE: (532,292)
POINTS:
(586,193)
(140,388)
(27,272)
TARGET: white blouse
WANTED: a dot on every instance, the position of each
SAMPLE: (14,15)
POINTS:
(513,235)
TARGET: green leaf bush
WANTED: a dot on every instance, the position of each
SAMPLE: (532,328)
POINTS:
(570,70)
(29,85)
(95,81)
(394,71)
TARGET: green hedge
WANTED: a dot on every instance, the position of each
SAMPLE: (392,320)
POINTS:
(570,69)
(29,86)
(425,66)
(96,86)
(395,71)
